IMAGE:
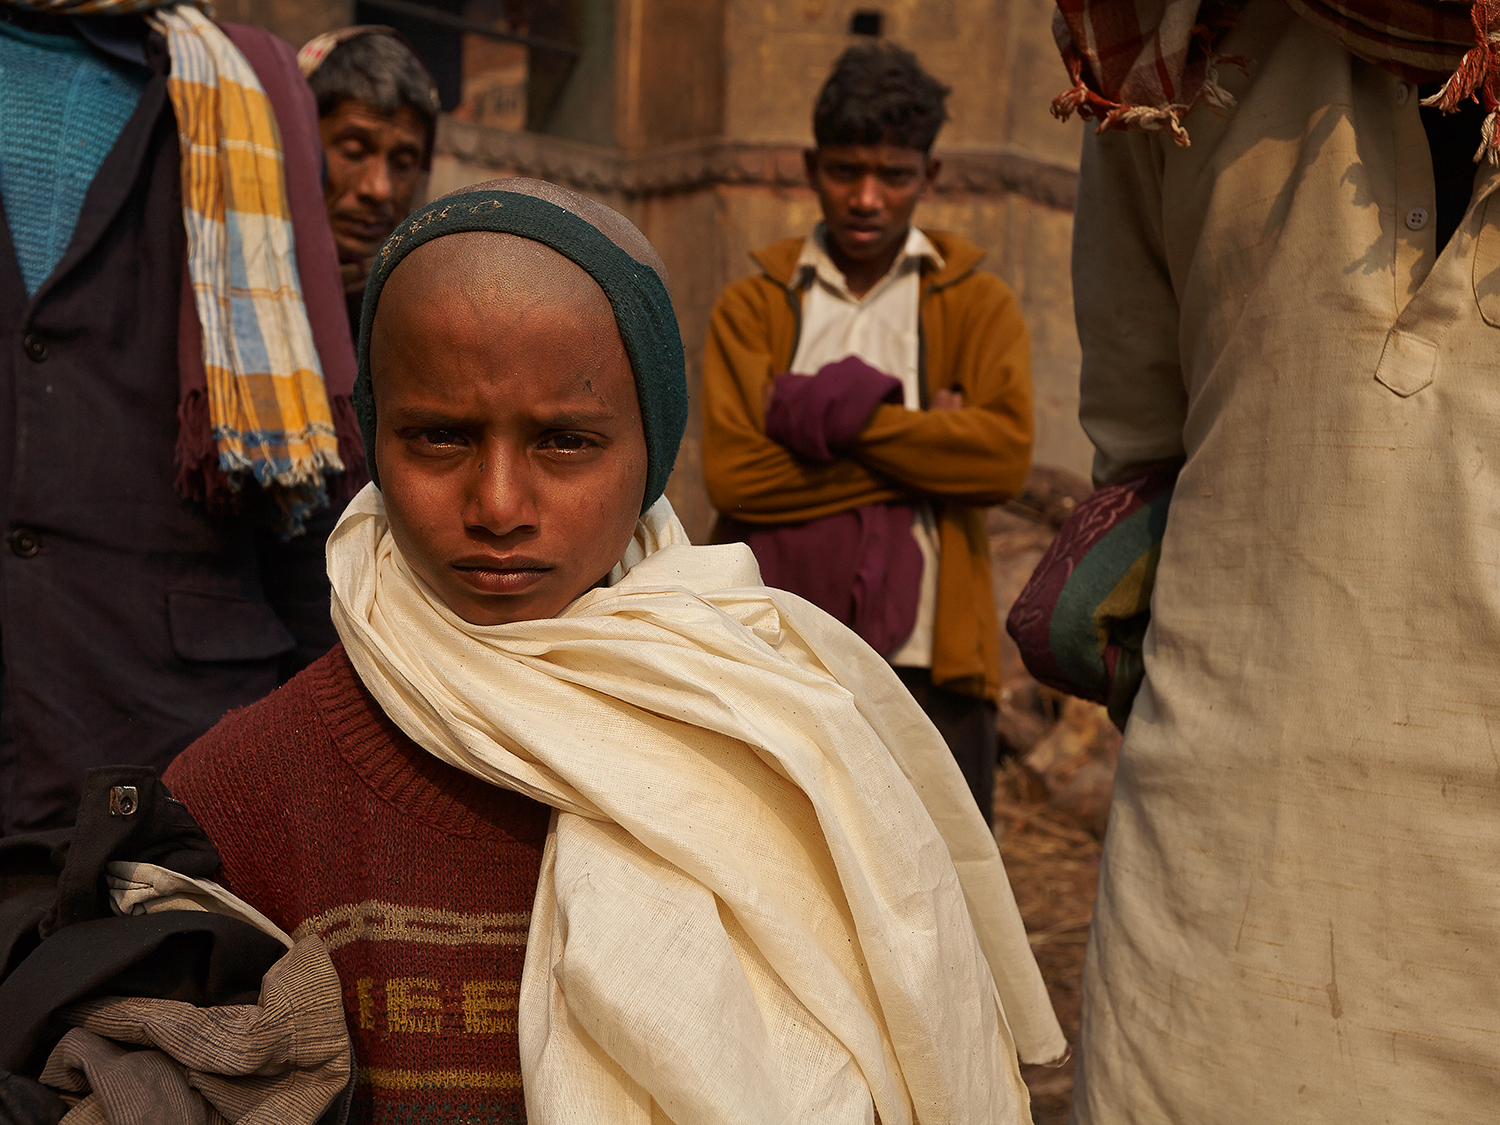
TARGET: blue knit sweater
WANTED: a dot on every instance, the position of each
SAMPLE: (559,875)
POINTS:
(62,107)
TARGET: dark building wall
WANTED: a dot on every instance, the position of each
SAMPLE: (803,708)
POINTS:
(296,21)
(580,101)
(672,56)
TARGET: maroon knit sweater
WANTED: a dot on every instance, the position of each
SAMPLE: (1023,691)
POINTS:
(418,877)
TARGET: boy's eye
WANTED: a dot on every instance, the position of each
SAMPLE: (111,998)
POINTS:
(353,151)
(897,177)
(568,442)
(439,438)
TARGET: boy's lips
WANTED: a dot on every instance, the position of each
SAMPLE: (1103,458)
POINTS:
(861,236)
(507,575)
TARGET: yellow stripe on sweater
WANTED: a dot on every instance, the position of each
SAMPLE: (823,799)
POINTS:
(383,1079)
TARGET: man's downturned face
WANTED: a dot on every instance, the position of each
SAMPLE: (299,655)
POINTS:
(509,442)
(374,164)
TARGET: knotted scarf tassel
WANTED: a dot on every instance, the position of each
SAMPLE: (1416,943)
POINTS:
(1476,72)
(1090,106)
(1216,17)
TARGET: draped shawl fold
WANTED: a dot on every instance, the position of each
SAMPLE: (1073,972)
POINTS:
(1145,63)
(766,895)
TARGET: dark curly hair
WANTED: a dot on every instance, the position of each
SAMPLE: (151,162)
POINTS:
(879,94)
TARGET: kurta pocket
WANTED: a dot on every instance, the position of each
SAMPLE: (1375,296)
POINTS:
(1407,363)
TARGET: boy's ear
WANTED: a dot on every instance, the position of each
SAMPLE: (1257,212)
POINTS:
(930,175)
(810,162)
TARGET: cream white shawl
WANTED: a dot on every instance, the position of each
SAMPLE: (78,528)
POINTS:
(766,895)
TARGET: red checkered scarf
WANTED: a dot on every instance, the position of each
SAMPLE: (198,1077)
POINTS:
(1143,64)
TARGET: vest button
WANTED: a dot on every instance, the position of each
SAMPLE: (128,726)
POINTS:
(25,542)
(35,345)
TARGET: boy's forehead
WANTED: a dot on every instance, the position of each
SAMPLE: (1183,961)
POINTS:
(607,221)
(474,291)
(883,154)
(483,259)
(465,286)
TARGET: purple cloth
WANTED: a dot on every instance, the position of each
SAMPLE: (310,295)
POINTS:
(818,416)
(861,566)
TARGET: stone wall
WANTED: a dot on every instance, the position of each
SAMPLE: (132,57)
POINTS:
(998,55)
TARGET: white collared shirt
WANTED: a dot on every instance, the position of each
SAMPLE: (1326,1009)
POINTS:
(880,328)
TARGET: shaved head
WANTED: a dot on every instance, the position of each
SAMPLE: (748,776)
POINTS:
(496,262)
(613,225)
(502,255)
(480,267)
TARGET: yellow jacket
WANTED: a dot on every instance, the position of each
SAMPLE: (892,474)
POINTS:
(972,338)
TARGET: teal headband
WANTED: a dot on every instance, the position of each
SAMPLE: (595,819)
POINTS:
(643,311)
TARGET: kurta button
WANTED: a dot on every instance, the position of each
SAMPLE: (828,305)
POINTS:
(25,542)
(35,345)
(1416,218)
(1403,93)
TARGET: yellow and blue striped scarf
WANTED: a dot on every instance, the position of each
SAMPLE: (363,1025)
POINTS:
(268,407)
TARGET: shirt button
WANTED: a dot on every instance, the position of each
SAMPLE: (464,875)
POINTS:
(1416,218)
(25,542)
(1403,93)
(35,345)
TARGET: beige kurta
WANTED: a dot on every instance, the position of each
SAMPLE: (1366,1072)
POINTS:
(1299,912)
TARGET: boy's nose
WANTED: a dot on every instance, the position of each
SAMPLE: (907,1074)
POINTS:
(867,194)
(502,499)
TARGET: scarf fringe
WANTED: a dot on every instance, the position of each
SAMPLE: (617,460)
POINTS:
(1478,72)
(201,475)
(195,461)
(1081,99)
(1090,106)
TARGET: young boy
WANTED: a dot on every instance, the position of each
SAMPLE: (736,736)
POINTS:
(866,394)
(595,827)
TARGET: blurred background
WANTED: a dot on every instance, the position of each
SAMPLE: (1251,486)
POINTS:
(690,116)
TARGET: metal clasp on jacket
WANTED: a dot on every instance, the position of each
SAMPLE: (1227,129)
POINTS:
(123,800)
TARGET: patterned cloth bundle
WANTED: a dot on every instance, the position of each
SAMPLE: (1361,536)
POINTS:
(1145,63)
(1080,623)
(268,406)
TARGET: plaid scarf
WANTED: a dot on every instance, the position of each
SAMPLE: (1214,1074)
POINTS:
(1145,63)
(268,407)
